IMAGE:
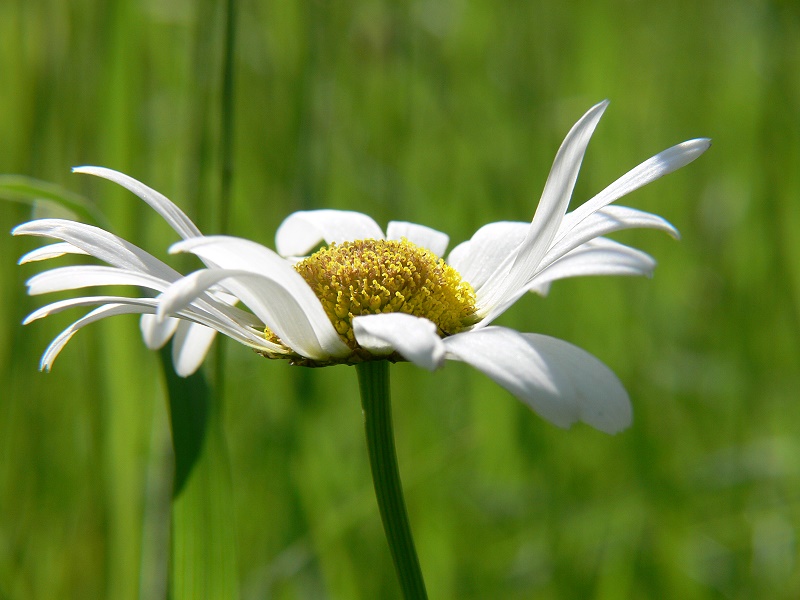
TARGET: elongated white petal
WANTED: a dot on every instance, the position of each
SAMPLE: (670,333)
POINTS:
(173,215)
(243,255)
(559,381)
(228,252)
(267,298)
(61,340)
(72,278)
(303,231)
(61,305)
(213,311)
(487,253)
(603,222)
(414,338)
(659,165)
(190,346)
(188,289)
(99,243)
(222,310)
(599,257)
(617,218)
(423,236)
(156,332)
(237,330)
(550,212)
(50,251)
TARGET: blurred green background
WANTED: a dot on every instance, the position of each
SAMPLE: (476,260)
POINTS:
(446,113)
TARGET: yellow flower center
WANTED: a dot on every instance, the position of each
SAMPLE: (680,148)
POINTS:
(369,277)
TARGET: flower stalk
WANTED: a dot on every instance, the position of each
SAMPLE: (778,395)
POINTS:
(373,381)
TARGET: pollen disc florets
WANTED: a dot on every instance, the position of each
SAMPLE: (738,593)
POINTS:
(368,277)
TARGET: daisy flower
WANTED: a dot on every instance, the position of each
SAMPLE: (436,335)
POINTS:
(367,295)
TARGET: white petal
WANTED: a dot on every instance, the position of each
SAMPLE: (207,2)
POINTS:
(617,218)
(211,305)
(108,310)
(50,251)
(269,300)
(488,251)
(423,236)
(156,332)
(584,236)
(238,329)
(297,300)
(559,381)
(190,346)
(303,231)
(173,215)
(61,305)
(598,257)
(228,252)
(550,212)
(188,289)
(604,221)
(659,165)
(72,278)
(75,277)
(414,338)
(235,329)
(99,243)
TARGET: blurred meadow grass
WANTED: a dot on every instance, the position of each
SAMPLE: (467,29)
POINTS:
(446,113)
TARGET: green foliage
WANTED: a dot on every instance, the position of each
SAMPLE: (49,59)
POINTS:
(47,200)
(203,541)
(446,113)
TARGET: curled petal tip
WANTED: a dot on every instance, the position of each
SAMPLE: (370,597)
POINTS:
(178,247)
(189,244)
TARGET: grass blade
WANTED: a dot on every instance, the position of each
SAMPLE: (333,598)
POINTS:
(203,563)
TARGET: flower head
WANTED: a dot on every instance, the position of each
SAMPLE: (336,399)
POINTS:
(369,295)
(373,277)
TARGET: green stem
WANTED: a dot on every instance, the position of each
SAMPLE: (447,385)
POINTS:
(373,380)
